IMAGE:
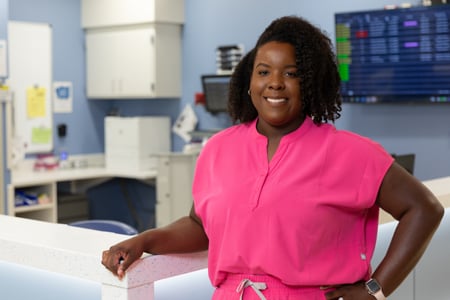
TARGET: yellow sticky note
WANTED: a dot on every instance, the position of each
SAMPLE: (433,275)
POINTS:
(36,102)
(41,135)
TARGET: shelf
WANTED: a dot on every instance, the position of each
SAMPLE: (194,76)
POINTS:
(44,212)
(28,208)
(45,182)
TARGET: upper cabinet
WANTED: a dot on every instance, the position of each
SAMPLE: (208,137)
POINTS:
(133,48)
(103,13)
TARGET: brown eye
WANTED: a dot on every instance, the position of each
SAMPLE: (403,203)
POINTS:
(293,74)
(263,72)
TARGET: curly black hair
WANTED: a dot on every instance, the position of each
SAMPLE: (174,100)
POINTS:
(317,69)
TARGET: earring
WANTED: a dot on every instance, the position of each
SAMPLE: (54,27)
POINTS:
(248,92)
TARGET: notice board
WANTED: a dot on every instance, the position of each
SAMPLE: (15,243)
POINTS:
(30,81)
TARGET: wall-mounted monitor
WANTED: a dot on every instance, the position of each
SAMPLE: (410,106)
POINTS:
(215,88)
(399,55)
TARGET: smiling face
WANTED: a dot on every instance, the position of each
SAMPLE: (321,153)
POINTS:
(275,88)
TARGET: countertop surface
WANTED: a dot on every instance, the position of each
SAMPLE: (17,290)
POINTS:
(38,177)
(77,251)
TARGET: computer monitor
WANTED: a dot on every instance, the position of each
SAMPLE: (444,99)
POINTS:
(394,56)
(216,89)
(406,161)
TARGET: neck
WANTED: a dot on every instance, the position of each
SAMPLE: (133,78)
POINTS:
(277,132)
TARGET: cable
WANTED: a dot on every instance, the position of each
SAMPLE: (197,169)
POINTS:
(130,205)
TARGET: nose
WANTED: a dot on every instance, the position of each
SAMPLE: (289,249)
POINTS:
(276,82)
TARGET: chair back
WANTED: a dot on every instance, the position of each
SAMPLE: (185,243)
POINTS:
(106,225)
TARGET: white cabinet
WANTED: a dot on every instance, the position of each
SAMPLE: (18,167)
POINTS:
(104,13)
(174,186)
(134,62)
(133,48)
(42,211)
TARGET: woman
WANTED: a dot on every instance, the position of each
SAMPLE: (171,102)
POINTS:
(286,204)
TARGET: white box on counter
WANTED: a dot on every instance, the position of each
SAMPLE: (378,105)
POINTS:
(132,143)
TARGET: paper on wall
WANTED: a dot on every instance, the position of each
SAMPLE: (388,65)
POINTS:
(185,123)
(36,102)
(17,151)
(62,97)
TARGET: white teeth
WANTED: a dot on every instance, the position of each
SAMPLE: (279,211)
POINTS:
(276,100)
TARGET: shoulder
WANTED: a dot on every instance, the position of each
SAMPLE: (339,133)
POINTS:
(361,142)
(350,140)
(347,147)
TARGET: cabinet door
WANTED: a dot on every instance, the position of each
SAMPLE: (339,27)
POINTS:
(121,63)
(136,62)
(101,13)
(101,61)
(174,186)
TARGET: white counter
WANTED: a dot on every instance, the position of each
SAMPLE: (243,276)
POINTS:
(440,187)
(77,252)
(32,177)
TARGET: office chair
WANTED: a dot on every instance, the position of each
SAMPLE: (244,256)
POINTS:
(106,225)
(406,161)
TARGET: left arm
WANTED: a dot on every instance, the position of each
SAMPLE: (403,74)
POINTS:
(419,214)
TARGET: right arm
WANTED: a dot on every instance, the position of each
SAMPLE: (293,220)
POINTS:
(181,236)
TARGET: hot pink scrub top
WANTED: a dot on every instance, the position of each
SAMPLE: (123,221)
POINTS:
(308,217)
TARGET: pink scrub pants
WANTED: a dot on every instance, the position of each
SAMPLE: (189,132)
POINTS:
(261,287)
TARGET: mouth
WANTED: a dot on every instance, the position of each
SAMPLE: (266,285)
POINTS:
(276,100)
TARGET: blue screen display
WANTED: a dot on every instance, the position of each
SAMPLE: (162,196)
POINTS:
(394,55)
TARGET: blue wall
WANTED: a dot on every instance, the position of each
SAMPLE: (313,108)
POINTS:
(424,130)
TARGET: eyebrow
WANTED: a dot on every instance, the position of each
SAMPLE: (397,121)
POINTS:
(261,65)
(267,65)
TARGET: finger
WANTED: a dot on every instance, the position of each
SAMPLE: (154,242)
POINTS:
(106,259)
(120,272)
(124,263)
(104,254)
(111,260)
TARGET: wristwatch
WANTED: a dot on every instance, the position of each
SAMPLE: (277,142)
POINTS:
(374,288)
